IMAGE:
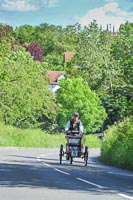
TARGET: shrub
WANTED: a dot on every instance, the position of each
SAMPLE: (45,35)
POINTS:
(117,147)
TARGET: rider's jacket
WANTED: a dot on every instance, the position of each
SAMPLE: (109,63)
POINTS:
(74,126)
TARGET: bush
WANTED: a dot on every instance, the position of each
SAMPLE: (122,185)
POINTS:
(117,147)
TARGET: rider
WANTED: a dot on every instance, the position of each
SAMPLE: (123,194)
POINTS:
(74,124)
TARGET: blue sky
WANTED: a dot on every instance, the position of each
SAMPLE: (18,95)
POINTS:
(65,12)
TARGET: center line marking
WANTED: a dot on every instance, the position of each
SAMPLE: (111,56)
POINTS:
(61,171)
(123,195)
(90,183)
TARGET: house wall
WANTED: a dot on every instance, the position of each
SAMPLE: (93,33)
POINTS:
(54,88)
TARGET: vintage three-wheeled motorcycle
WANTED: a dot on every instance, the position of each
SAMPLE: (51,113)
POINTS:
(74,148)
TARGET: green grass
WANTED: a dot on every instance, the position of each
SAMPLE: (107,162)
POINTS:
(14,137)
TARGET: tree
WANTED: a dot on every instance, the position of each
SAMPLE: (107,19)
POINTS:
(45,35)
(6,33)
(94,59)
(24,95)
(122,51)
(35,50)
(98,65)
(75,95)
(24,34)
(55,61)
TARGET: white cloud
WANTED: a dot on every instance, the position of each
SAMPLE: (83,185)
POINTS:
(20,5)
(51,3)
(110,13)
(26,5)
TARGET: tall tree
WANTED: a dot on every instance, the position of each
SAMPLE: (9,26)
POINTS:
(94,59)
(23,88)
(75,95)
(122,49)
(24,34)
(99,67)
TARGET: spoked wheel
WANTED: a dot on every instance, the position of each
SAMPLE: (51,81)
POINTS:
(67,157)
(71,160)
(61,153)
(86,156)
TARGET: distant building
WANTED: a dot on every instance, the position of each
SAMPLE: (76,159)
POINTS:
(54,77)
(68,56)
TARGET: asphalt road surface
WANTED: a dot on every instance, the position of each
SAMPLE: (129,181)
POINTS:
(35,174)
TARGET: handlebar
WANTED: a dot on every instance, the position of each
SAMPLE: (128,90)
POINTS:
(73,132)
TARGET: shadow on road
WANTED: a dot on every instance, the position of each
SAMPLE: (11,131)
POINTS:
(38,175)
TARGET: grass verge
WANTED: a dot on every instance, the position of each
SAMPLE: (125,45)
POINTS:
(36,138)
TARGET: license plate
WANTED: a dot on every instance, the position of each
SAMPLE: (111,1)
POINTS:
(74,153)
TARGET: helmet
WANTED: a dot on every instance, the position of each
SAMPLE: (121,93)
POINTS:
(76,114)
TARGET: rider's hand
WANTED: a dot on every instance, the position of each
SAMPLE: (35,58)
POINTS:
(81,133)
(68,132)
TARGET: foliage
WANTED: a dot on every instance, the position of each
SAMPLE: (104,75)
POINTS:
(122,50)
(117,106)
(53,39)
(75,95)
(55,61)
(6,33)
(93,58)
(23,88)
(99,65)
(102,58)
(11,136)
(24,34)
(35,50)
(117,147)
(122,90)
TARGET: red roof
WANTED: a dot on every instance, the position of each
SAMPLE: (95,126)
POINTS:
(68,56)
(54,76)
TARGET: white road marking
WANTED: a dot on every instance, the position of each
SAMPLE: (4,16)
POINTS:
(123,195)
(121,174)
(108,168)
(38,159)
(41,157)
(61,171)
(90,183)
(47,164)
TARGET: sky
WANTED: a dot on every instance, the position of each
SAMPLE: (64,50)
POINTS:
(66,12)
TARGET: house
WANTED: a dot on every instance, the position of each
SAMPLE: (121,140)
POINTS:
(68,56)
(54,77)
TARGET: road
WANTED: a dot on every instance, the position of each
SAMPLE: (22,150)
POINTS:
(37,175)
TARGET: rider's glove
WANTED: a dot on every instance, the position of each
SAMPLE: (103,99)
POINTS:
(68,132)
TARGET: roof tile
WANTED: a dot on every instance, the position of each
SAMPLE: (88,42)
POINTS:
(54,75)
